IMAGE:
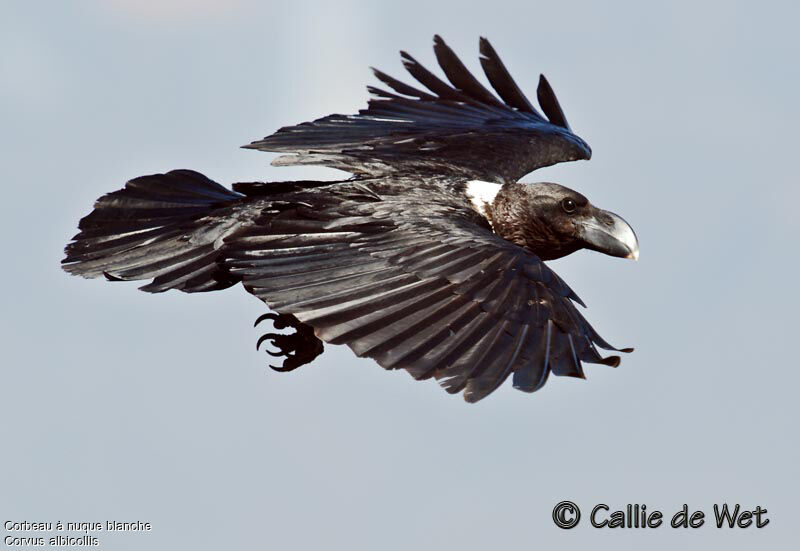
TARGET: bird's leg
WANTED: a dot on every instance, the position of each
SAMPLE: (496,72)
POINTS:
(298,349)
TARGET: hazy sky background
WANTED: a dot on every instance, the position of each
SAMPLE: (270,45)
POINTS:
(119,405)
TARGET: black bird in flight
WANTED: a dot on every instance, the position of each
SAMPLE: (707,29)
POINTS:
(430,258)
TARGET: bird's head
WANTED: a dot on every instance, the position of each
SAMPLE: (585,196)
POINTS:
(554,221)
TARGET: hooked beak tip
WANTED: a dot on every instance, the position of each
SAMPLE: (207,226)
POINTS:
(608,233)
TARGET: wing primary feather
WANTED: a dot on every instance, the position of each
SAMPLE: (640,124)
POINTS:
(588,353)
(549,103)
(380,93)
(502,81)
(575,359)
(532,375)
(479,388)
(401,87)
(459,76)
(429,80)
(454,378)
(547,338)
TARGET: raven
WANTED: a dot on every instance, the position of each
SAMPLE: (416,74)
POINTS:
(430,258)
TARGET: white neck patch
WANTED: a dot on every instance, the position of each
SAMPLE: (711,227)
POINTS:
(482,193)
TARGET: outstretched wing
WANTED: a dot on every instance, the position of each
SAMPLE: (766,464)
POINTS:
(457,128)
(426,289)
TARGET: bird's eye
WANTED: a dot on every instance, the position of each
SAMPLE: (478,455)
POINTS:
(568,205)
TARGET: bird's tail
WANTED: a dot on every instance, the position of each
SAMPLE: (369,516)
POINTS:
(165,226)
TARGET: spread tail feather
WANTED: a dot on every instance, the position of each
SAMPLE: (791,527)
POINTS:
(168,227)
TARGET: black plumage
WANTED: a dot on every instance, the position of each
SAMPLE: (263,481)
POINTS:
(402,262)
(461,129)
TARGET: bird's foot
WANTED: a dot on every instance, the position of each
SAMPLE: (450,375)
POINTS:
(298,349)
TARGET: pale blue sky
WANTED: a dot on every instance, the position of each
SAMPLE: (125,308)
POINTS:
(118,405)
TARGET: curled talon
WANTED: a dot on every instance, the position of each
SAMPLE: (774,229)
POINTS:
(278,320)
(298,348)
(284,368)
(267,316)
(265,337)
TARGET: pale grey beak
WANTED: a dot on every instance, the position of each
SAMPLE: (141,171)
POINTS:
(608,233)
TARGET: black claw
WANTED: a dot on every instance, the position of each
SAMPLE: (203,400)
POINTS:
(284,368)
(278,322)
(265,337)
(268,316)
(298,348)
